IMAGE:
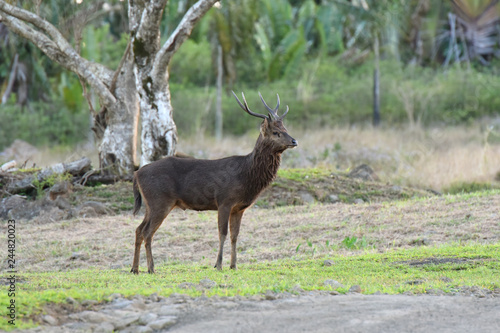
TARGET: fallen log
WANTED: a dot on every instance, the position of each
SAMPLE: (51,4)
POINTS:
(23,183)
(7,166)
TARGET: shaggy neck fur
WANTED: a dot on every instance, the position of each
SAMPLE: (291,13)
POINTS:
(264,163)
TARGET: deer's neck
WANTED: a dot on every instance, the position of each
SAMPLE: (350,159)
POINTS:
(264,165)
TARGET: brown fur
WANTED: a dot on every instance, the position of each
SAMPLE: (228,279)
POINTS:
(229,185)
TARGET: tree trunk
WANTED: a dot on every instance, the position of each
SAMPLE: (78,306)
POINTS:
(376,84)
(159,133)
(118,145)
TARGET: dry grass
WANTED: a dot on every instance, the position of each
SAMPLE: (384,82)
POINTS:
(432,158)
(266,234)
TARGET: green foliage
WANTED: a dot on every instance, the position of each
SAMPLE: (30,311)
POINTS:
(330,92)
(193,109)
(64,119)
(182,70)
(284,38)
(42,124)
(354,242)
(311,251)
(99,45)
(50,181)
(172,15)
(101,42)
(274,46)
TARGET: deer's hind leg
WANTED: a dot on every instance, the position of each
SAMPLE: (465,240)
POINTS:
(138,243)
(149,230)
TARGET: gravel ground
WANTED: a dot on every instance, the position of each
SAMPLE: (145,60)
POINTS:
(307,312)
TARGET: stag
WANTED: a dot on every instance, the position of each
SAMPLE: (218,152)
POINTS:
(229,185)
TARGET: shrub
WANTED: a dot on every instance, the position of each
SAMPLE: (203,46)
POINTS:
(42,124)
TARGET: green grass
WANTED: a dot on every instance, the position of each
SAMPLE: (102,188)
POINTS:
(470,187)
(303,175)
(385,272)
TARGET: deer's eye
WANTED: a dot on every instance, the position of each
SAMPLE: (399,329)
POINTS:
(276,133)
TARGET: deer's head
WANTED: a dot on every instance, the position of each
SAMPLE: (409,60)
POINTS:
(272,129)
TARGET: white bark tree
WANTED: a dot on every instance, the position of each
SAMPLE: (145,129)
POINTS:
(139,83)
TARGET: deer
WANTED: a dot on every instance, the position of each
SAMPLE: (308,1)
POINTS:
(229,185)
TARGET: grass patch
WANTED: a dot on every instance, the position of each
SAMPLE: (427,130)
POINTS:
(389,272)
(328,185)
(119,197)
(470,187)
(303,175)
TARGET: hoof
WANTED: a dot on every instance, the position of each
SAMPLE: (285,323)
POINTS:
(135,271)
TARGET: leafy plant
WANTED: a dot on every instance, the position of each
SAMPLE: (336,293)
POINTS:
(298,248)
(52,124)
(50,181)
(354,242)
(311,246)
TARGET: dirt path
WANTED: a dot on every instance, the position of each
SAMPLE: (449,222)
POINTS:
(351,313)
(307,313)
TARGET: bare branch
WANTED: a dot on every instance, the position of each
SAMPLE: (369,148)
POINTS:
(180,34)
(103,73)
(60,52)
(37,21)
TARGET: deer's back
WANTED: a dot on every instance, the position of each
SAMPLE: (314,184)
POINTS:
(194,183)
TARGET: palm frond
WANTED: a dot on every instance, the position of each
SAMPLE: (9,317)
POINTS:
(473,31)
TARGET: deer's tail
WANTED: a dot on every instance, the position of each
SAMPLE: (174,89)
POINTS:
(137,196)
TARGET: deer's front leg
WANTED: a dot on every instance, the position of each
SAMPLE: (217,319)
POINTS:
(223,221)
(235,229)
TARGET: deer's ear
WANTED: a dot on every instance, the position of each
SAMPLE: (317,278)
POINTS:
(263,127)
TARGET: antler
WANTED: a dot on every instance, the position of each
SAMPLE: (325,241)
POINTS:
(246,108)
(273,113)
(284,114)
